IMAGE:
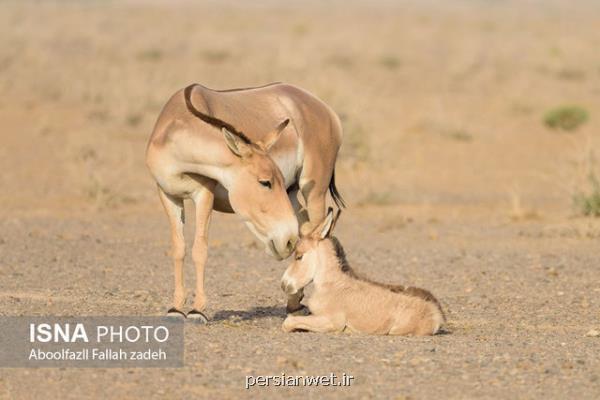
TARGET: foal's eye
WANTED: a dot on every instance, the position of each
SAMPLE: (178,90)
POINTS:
(266,184)
(299,256)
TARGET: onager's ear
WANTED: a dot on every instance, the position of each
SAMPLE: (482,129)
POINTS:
(324,229)
(236,144)
(272,137)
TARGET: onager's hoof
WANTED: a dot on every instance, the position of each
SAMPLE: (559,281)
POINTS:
(175,313)
(302,310)
(197,317)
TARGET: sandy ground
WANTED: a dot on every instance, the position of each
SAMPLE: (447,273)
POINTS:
(519,298)
(454,184)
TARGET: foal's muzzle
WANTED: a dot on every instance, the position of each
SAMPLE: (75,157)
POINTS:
(287,288)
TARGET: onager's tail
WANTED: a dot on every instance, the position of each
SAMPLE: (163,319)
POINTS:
(335,195)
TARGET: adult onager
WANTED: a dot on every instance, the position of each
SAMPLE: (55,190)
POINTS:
(244,151)
(342,299)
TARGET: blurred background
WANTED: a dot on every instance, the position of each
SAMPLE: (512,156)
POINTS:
(451,109)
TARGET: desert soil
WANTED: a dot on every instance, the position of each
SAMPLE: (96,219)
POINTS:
(453,180)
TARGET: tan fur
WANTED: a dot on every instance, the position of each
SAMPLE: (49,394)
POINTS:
(342,300)
(220,148)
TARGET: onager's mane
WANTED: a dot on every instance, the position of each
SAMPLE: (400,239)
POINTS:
(409,291)
(244,88)
(209,119)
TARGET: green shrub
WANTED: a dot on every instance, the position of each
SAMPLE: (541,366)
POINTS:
(150,55)
(134,119)
(390,62)
(460,136)
(215,56)
(567,118)
(588,203)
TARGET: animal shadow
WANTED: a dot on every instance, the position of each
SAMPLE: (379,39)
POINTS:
(253,313)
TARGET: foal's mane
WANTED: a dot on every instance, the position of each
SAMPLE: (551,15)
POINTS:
(409,291)
(348,270)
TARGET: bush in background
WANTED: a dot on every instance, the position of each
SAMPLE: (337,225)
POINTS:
(588,203)
(566,118)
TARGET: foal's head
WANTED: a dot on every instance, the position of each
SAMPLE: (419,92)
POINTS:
(310,255)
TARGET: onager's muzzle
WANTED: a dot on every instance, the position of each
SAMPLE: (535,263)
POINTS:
(285,248)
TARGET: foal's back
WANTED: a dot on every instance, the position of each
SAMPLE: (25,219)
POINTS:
(374,308)
(380,308)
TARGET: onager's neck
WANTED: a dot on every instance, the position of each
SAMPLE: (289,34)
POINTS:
(222,174)
(218,169)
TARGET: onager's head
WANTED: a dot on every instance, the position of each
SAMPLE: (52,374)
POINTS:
(309,256)
(257,192)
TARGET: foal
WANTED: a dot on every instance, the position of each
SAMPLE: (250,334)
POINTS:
(342,299)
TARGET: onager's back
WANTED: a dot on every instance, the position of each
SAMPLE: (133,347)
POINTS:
(344,300)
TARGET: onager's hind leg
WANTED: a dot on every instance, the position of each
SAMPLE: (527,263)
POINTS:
(314,323)
(174,209)
(203,200)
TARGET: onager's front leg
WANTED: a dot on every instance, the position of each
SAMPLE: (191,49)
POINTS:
(314,323)
(309,218)
(315,207)
(203,199)
(293,300)
(174,209)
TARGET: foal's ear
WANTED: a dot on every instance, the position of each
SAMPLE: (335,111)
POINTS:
(325,228)
(235,143)
(272,137)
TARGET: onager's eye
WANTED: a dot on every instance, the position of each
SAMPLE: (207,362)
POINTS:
(299,256)
(265,183)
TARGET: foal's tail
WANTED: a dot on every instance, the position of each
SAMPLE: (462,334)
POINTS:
(335,195)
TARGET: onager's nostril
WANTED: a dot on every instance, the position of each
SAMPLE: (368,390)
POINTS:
(291,244)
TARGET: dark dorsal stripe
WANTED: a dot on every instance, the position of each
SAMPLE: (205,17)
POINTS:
(245,88)
(410,291)
(425,295)
(216,122)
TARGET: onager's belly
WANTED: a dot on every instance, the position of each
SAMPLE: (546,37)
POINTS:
(184,186)
(221,202)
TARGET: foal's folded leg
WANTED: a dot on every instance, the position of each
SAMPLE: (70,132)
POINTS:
(314,323)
